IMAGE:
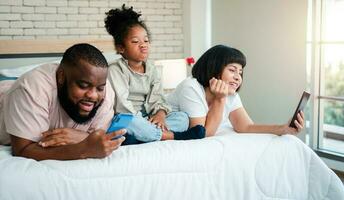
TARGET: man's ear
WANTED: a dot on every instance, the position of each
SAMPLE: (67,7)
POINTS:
(60,76)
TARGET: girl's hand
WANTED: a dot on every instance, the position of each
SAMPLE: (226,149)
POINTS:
(62,136)
(299,123)
(159,120)
(218,88)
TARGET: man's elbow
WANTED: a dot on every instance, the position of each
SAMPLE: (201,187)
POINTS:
(24,152)
(17,151)
(19,145)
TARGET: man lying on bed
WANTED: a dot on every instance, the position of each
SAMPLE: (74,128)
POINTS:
(55,103)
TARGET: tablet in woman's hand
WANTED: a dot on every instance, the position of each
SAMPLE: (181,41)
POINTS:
(300,107)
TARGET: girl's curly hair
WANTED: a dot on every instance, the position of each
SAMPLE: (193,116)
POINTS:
(118,22)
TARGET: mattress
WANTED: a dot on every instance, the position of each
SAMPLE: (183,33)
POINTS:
(230,166)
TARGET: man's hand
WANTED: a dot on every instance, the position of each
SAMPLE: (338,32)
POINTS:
(62,136)
(99,144)
(159,120)
(96,145)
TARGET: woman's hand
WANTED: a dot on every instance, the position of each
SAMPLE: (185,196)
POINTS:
(159,120)
(62,136)
(299,123)
(218,88)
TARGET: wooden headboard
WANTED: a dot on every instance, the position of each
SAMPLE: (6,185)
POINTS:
(58,46)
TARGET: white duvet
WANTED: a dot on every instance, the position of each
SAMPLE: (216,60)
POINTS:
(232,166)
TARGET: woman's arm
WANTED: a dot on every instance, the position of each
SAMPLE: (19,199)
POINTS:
(213,119)
(216,96)
(242,123)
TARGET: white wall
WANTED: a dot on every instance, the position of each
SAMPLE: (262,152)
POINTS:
(62,19)
(272,35)
(197,27)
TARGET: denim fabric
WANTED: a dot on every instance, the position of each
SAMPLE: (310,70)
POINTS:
(130,140)
(177,121)
(145,131)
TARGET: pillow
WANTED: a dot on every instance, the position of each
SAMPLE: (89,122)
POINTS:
(4,78)
(13,72)
(172,72)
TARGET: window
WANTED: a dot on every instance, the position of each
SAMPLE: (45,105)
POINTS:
(325,68)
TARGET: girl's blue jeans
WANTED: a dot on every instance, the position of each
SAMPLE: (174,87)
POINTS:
(142,130)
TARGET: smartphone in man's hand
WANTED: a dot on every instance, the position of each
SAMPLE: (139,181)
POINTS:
(119,121)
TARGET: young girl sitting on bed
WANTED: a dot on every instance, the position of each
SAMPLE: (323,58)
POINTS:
(137,84)
(210,96)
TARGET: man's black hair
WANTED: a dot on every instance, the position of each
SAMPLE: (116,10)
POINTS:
(86,52)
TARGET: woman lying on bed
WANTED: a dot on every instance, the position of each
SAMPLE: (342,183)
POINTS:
(210,96)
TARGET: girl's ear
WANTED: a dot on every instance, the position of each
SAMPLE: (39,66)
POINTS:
(120,49)
(60,76)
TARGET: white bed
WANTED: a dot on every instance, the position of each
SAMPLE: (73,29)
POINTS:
(231,166)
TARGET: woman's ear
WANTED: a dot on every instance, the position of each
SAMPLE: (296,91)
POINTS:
(219,76)
(60,76)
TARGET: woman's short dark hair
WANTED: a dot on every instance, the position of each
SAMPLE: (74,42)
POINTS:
(119,21)
(214,60)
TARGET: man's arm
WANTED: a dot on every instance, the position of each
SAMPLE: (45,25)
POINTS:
(96,145)
(62,136)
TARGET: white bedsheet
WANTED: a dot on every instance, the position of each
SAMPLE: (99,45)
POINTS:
(231,166)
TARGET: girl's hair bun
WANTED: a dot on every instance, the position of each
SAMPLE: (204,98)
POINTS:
(119,20)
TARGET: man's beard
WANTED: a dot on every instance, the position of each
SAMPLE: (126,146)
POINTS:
(72,109)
